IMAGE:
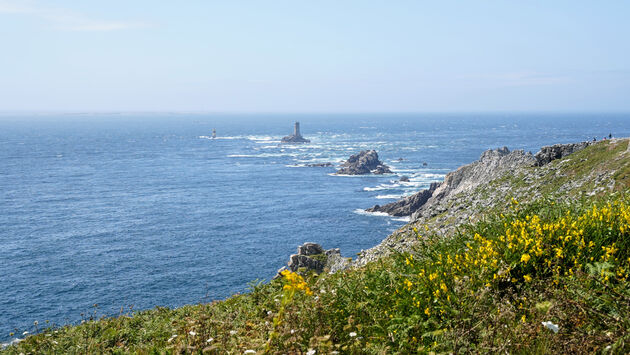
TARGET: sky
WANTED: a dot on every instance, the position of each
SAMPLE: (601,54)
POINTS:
(314,56)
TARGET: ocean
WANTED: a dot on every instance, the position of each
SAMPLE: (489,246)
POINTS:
(133,211)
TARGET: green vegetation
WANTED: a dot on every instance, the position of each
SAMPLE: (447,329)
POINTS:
(487,289)
(541,268)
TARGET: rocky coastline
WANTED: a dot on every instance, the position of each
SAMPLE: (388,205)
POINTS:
(461,197)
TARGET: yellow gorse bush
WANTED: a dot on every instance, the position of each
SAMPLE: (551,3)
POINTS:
(527,246)
(295,282)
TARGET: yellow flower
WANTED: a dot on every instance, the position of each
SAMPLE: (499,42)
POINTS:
(527,278)
(525,258)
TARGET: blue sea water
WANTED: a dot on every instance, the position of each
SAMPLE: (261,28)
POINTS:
(143,210)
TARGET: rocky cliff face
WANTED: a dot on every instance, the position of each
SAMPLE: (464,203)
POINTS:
(365,162)
(558,151)
(560,171)
(407,205)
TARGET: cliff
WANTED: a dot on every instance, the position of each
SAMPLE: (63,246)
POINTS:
(562,171)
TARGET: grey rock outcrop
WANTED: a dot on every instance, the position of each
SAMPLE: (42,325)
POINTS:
(312,257)
(550,153)
(365,162)
(499,175)
(404,178)
(408,205)
(491,165)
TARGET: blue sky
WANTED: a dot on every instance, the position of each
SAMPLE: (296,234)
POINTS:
(314,56)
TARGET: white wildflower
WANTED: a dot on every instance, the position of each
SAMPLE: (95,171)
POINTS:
(172,337)
(550,325)
(55,342)
(48,335)
(322,291)
(249,351)
(269,313)
(210,340)
(292,331)
(311,352)
(232,332)
(352,334)
(192,333)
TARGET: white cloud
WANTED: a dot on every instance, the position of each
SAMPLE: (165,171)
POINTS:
(64,19)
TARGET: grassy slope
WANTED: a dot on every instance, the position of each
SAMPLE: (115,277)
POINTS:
(485,289)
(599,169)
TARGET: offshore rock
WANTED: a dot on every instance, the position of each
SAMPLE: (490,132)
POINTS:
(365,162)
(408,205)
(312,257)
(557,151)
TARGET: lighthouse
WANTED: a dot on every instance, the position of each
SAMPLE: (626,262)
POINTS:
(296,137)
(296,130)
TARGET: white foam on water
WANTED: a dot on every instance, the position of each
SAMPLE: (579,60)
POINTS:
(382,187)
(12,342)
(262,155)
(403,219)
(352,176)
(366,213)
(234,137)
(429,175)
(385,197)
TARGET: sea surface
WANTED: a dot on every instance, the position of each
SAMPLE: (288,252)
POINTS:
(136,210)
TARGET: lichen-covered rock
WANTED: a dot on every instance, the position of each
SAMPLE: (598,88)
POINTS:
(312,257)
(365,162)
(550,153)
(310,249)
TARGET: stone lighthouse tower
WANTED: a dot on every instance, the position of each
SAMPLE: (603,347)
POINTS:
(296,130)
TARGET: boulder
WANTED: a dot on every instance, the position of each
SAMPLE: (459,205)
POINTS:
(365,162)
(312,257)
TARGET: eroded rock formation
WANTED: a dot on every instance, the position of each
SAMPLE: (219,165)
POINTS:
(312,257)
(365,162)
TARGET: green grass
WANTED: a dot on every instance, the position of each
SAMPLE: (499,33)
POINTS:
(416,302)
